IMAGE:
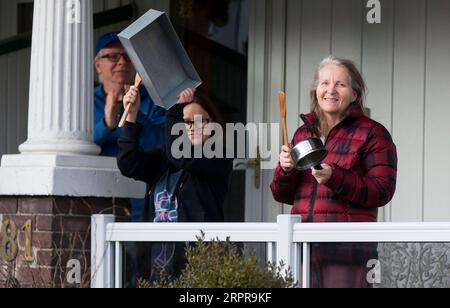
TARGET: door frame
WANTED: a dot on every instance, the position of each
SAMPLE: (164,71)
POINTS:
(266,77)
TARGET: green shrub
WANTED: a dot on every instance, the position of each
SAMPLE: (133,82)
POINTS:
(222,265)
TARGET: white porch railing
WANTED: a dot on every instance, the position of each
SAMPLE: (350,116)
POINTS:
(285,240)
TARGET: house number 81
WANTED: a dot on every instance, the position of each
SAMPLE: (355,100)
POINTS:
(8,244)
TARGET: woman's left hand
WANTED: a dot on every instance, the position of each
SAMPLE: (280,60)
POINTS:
(324,175)
(187,96)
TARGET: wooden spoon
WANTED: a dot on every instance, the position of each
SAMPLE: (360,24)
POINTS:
(137,84)
(282,98)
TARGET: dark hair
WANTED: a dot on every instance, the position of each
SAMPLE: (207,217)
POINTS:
(205,102)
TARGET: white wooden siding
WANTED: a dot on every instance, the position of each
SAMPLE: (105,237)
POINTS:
(408,108)
(405,61)
(347,29)
(378,43)
(437,112)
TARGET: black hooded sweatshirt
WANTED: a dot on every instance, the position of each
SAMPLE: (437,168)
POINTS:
(203,187)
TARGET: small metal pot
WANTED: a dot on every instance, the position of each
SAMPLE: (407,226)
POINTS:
(309,154)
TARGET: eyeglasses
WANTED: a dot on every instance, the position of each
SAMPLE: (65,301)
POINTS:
(115,57)
(195,124)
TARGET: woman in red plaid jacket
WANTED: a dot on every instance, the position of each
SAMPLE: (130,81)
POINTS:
(358,177)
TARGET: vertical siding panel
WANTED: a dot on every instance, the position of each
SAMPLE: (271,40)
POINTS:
(2,26)
(437,125)
(112,4)
(108,5)
(315,43)
(277,56)
(347,29)
(4,19)
(256,97)
(276,82)
(97,6)
(144,5)
(161,5)
(293,63)
(8,20)
(23,82)
(3,103)
(408,119)
(377,59)
(293,69)
(11,121)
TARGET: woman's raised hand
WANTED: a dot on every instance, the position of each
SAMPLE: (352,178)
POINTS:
(187,96)
(132,97)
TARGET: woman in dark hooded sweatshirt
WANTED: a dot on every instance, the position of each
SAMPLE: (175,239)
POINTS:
(182,188)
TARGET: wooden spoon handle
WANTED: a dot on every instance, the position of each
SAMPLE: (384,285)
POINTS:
(282,98)
(137,84)
(286,139)
(137,80)
(125,116)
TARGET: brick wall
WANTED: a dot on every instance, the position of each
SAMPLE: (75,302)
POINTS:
(60,232)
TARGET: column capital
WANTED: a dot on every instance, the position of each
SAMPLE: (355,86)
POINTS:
(61,79)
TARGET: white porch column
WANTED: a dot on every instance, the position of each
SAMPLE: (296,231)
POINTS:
(61,83)
(58,159)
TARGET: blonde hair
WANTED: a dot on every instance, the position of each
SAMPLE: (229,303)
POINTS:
(357,83)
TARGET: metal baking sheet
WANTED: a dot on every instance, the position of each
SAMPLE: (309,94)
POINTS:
(158,55)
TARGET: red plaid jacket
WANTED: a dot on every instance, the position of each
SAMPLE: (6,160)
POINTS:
(364,161)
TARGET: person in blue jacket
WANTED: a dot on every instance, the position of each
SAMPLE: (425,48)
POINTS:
(116,72)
